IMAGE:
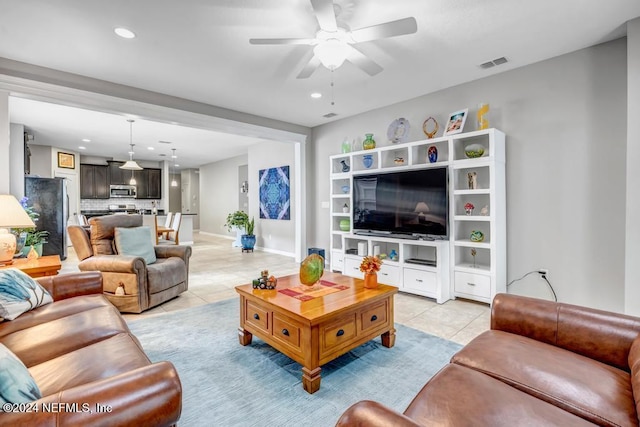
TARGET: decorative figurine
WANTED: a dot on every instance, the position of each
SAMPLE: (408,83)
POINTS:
(264,281)
(398,160)
(473,180)
(468,208)
(485,210)
(345,208)
(473,254)
(393,255)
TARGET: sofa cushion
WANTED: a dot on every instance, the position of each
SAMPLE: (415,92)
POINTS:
(459,396)
(16,383)
(634,364)
(19,293)
(57,337)
(555,375)
(115,355)
(50,312)
(166,273)
(135,241)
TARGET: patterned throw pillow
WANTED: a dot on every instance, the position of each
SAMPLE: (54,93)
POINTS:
(135,241)
(19,293)
(16,383)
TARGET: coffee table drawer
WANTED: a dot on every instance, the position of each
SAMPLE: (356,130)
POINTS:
(337,334)
(286,331)
(257,316)
(375,316)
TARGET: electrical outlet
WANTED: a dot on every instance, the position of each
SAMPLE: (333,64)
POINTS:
(544,271)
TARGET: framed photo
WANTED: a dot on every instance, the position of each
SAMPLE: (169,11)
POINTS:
(455,124)
(66,160)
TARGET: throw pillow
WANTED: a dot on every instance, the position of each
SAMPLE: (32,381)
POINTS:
(16,383)
(135,241)
(19,293)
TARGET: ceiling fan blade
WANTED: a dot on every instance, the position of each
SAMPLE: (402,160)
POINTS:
(282,41)
(388,29)
(325,14)
(308,69)
(363,62)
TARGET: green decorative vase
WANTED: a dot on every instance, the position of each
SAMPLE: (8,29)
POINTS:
(345,224)
(368,143)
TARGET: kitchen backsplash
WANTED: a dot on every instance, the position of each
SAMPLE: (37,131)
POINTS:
(103,204)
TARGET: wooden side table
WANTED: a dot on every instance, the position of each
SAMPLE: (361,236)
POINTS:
(48,265)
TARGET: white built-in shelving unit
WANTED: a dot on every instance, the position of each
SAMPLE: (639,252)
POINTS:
(452,271)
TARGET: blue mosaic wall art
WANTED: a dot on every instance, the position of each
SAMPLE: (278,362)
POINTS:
(275,199)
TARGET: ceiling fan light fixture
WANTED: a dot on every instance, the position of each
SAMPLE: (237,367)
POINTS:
(331,53)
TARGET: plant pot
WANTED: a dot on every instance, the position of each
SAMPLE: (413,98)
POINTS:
(248,241)
(371,280)
(38,248)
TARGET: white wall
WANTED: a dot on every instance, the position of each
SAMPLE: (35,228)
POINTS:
(16,156)
(219,194)
(565,121)
(272,234)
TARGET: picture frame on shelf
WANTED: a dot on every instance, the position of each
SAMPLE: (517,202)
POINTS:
(456,121)
(66,160)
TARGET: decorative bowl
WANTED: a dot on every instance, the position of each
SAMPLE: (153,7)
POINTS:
(473,151)
(476,236)
(345,189)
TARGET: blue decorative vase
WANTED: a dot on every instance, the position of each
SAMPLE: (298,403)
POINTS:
(345,166)
(248,241)
(367,160)
(432,154)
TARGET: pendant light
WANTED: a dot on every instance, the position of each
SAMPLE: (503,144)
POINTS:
(174,183)
(131,164)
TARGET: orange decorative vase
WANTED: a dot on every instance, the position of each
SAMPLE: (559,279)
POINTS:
(371,280)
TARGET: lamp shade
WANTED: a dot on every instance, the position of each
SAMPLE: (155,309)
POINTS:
(131,165)
(421,208)
(12,214)
(331,53)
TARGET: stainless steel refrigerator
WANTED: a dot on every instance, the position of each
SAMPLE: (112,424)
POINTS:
(49,198)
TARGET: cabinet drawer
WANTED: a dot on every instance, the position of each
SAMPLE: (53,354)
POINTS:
(352,267)
(337,260)
(374,317)
(257,316)
(286,331)
(337,334)
(389,275)
(420,281)
(473,284)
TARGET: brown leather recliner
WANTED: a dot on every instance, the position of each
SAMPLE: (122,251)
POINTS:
(145,285)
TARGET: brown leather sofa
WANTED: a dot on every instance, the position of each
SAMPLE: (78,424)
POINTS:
(145,285)
(542,363)
(79,350)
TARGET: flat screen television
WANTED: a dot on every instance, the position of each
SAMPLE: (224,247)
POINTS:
(408,203)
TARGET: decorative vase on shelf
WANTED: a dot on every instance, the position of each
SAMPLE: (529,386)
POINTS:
(371,280)
(368,143)
(432,154)
(346,146)
(345,166)
(345,224)
(367,160)
(476,236)
(481,117)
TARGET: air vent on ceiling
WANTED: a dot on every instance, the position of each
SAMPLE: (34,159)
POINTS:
(497,61)
(162,155)
(329,115)
(165,142)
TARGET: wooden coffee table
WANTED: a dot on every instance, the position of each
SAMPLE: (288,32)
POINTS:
(48,265)
(315,331)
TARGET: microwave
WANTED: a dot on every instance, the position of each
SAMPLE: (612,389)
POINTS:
(122,191)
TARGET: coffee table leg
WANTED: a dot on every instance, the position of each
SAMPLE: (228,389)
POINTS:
(389,338)
(244,337)
(311,379)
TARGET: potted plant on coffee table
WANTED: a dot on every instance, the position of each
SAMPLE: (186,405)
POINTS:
(35,239)
(248,239)
(237,221)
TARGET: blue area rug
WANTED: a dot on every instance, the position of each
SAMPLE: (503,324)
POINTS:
(226,384)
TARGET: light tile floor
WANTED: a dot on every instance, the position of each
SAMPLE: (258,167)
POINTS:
(215,268)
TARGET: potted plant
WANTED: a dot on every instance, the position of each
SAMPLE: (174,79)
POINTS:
(248,239)
(237,221)
(27,237)
(35,238)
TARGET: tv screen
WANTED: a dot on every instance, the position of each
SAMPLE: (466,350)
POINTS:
(407,202)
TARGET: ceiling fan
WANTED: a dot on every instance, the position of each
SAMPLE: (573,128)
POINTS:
(334,44)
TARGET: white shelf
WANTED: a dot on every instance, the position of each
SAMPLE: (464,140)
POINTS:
(471,192)
(469,244)
(473,218)
(469,268)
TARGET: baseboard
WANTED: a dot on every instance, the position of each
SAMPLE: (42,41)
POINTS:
(258,248)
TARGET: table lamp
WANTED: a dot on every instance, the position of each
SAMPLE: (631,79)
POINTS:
(12,215)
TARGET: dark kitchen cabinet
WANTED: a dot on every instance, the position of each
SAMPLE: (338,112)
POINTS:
(148,184)
(118,176)
(94,181)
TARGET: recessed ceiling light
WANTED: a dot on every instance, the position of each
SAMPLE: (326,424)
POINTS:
(86,140)
(82,148)
(150,148)
(124,33)
(316,95)
(176,166)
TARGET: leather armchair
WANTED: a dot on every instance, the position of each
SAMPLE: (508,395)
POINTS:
(145,286)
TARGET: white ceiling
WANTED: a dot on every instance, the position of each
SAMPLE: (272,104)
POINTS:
(199,50)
